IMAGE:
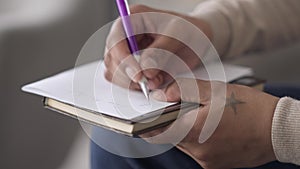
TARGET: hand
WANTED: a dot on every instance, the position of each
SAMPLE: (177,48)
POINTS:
(243,136)
(159,52)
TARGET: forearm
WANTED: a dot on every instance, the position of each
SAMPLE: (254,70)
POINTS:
(240,26)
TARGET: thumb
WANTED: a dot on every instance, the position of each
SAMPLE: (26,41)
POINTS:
(184,89)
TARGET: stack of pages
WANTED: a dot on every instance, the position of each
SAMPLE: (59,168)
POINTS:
(84,93)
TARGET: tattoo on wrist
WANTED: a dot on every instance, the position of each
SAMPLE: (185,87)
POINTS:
(233,102)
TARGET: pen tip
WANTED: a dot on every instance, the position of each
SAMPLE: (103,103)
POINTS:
(145,90)
(146,93)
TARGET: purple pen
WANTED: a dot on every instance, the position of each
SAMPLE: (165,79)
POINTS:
(124,14)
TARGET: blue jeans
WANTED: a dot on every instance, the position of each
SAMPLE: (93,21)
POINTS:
(175,159)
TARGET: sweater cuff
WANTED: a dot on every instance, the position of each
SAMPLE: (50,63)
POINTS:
(286,131)
(211,13)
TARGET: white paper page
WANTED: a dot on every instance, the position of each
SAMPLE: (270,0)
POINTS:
(231,72)
(87,88)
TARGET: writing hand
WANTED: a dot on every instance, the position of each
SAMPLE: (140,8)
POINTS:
(158,51)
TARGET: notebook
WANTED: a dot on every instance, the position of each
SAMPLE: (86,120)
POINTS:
(85,94)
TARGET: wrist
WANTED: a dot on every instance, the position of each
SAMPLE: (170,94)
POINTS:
(269,107)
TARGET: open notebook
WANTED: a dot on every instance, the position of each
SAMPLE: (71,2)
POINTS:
(84,93)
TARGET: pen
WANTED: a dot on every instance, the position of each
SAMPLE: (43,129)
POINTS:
(124,13)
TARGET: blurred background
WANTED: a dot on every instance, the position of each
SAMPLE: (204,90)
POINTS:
(39,38)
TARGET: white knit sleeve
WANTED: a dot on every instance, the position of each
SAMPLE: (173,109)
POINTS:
(240,26)
(286,131)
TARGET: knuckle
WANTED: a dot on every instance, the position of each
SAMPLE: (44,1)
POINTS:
(134,86)
(173,92)
(108,76)
(107,60)
(115,35)
(172,96)
(108,42)
(152,74)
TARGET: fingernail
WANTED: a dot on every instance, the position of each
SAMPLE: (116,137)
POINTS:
(131,73)
(159,95)
(149,63)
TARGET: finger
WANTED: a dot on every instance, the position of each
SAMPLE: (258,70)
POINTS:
(122,81)
(188,90)
(128,64)
(157,55)
(116,34)
(168,46)
(157,81)
(111,65)
(120,53)
(149,136)
(182,130)
(144,40)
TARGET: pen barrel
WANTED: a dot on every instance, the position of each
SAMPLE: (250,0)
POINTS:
(127,26)
(123,7)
